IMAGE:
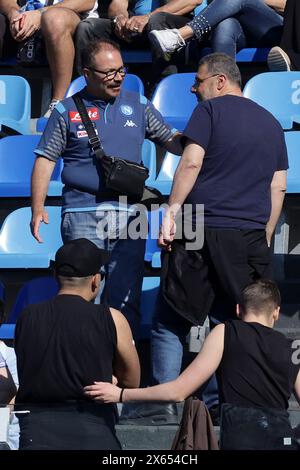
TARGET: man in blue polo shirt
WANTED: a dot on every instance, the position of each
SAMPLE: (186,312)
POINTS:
(122,120)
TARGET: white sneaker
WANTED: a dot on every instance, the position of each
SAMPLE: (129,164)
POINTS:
(278,60)
(167,41)
(51,107)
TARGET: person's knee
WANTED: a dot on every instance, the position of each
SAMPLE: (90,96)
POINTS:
(157,21)
(57,22)
(227,30)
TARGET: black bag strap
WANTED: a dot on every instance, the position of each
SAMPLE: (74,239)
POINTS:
(94,140)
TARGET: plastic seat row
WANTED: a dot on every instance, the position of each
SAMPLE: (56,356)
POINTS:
(44,288)
(18,249)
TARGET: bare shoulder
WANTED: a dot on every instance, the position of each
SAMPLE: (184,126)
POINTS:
(118,317)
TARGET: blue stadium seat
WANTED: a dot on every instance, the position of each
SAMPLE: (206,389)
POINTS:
(174,100)
(292,140)
(131,83)
(149,160)
(165,177)
(253,54)
(279,93)
(16,162)
(18,248)
(152,251)
(15,103)
(7,331)
(150,290)
(34,291)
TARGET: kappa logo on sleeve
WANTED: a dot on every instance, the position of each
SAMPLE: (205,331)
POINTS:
(92,112)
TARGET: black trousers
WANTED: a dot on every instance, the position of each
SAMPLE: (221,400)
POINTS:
(196,283)
(251,428)
(75,426)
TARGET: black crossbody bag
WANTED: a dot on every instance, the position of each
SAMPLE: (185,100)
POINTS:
(120,176)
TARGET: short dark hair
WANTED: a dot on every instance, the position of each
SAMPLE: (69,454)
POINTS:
(95,46)
(261,296)
(219,63)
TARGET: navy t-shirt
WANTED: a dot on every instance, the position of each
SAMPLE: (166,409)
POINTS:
(244,145)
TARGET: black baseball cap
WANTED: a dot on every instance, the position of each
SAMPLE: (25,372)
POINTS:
(79,258)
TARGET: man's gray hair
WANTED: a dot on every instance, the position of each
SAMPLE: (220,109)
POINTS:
(223,64)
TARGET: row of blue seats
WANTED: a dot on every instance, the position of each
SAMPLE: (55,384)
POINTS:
(18,249)
(44,288)
(279,92)
(17,158)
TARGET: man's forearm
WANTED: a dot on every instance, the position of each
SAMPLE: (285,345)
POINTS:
(8,7)
(118,7)
(40,179)
(184,180)
(277,197)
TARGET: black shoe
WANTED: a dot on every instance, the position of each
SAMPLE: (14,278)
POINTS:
(149,414)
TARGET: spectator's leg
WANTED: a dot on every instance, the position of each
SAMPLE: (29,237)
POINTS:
(160,67)
(255,15)
(167,338)
(88,30)
(58,27)
(228,37)
(8,47)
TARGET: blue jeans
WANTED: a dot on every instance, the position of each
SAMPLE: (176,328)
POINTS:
(168,336)
(252,23)
(124,273)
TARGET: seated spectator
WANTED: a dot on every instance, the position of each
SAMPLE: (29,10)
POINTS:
(8,385)
(57,23)
(130,28)
(63,345)
(233,25)
(286,56)
(255,367)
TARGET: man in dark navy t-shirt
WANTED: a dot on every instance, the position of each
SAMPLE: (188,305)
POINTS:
(234,163)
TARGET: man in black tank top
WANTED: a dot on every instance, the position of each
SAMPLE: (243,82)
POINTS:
(64,344)
(257,369)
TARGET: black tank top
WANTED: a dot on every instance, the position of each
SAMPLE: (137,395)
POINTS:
(256,367)
(63,345)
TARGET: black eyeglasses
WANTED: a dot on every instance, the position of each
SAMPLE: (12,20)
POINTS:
(198,81)
(111,74)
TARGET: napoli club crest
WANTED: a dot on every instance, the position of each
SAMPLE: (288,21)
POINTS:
(126,109)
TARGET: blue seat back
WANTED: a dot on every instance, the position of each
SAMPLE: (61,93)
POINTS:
(131,83)
(292,140)
(15,103)
(34,291)
(18,248)
(174,100)
(165,176)
(149,160)
(279,93)
(16,162)
(152,250)
(201,7)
